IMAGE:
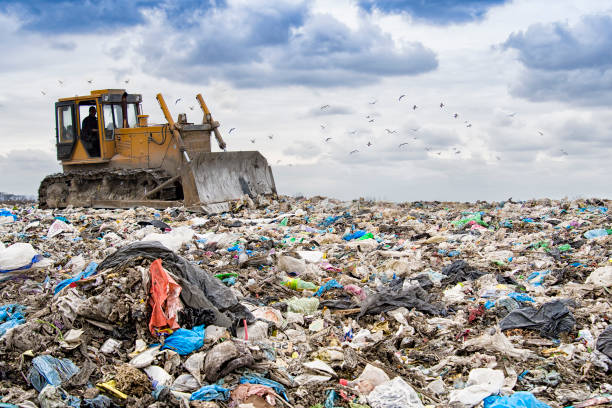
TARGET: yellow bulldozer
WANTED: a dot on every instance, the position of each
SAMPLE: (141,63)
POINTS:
(113,158)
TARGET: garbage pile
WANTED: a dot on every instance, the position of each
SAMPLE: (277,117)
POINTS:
(297,302)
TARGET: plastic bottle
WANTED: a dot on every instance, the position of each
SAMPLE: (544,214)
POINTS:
(298,284)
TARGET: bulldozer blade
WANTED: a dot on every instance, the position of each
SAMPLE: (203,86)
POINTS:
(225,176)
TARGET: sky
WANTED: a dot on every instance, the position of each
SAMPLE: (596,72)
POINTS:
(399,100)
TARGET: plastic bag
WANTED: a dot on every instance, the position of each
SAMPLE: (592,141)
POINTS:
(19,256)
(185,341)
(57,228)
(601,277)
(331,284)
(173,240)
(302,305)
(48,370)
(210,392)
(604,341)
(11,316)
(481,383)
(551,319)
(89,271)
(255,379)
(164,299)
(517,400)
(185,383)
(394,394)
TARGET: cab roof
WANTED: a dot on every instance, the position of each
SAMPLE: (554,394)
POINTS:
(107,95)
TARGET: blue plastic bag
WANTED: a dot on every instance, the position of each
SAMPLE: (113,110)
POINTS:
(331,284)
(11,316)
(47,369)
(354,235)
(209,393)
(596,233)
(255,379)
(185,341)
(520,399)
(7,213)
(90,270)
(521,297)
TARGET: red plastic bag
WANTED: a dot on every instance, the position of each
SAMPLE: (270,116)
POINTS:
(164,300)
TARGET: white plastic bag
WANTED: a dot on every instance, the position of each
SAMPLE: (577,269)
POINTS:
(174,239)
(482,382)
(17,256)
(394,394)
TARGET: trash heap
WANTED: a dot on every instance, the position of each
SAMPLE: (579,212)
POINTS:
(297,302)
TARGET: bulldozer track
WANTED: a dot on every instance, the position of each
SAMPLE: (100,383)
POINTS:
(81,188)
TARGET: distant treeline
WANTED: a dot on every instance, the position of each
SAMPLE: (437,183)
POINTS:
(8,197)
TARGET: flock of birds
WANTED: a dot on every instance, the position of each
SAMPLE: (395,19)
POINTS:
(370,119)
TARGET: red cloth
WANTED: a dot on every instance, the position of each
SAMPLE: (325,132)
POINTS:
(164,299)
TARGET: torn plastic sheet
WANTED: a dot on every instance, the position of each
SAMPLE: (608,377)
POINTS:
(550,319)
(395,296)
(89,271)
(200,289)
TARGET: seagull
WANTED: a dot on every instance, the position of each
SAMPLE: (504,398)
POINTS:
(270,137)
(414,107)
(178,100)
(354,151)
(231,130)
(252,140)
(373,102)
(43,92)
(414,129)
(511,115)
(498,158)
(369,143)
(400,98)
(127,81)
(389,131)
(60,82)
(439,153)
(89,81)
(563,152)
(352,132)
(428,149)
(456,115)
(328,139)
(441,105)
(322,127)
(458,151)
(469,125)
(191,108)
(324,107)
(541,134)
(371,120)
(402,144)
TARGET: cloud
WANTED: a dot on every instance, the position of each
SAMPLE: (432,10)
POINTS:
(437,11)
(282,45)
(331,110)
(25,169)
(570,63)
(303,150)
(77,16)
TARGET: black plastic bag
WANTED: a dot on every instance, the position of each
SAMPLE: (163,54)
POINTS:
(604,341)
(461,271)
(550,319)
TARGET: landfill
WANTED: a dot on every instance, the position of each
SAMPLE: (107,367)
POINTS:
(308,302)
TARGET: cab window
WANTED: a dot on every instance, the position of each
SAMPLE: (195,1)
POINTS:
(65,125)
(109,124)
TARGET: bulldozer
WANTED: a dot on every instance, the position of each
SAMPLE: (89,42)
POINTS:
(113,158)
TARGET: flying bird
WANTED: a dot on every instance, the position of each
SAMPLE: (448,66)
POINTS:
(414,107)
(469,125)
(439,153)
(428,149)
(252,140)
(322,127)
(231,130)
(373,102)
(127,81)
(371,120)
(511,115)
(456,115)
(402,144)
(400,98)
(324,107)
(414,129)
(541,134)
(270,137)
(389,131)
(354,151)
(441,105)
(43,92)
(369,143)
(89,81)
(191,108)
(498,158)
(352,132)
(328,139)
(458,151)
(178,100)
(60,82)
(563,152)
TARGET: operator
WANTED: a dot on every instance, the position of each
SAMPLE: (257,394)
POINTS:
(89,133)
